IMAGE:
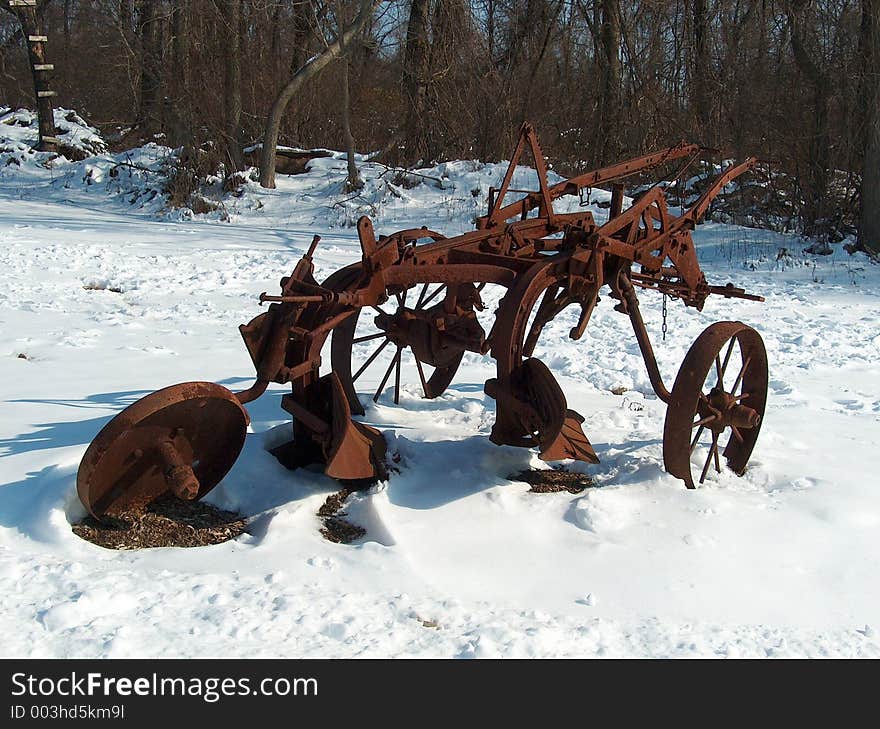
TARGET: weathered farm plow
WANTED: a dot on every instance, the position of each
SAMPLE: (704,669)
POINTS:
(420,291)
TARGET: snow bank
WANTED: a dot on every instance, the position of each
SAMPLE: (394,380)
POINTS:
(20,135)
(86,173)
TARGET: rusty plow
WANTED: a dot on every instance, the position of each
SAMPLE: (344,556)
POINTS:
(411,302)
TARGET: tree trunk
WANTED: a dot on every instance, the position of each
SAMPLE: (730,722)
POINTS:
(451,61)
(232,82)
(148,30)
(815,181)
(700,100)
(182,117)
(301,31)
(415,81)
(354,181)
(869,228)
(486,133)
(308,71)
(609,87)
(67,16)
(126,13)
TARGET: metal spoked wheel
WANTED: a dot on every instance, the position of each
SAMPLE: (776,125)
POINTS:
(374,344)
(717,403)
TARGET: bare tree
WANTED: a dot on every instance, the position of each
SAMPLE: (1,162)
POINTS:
(791,80)
(232,80)
(700,100)
(150,44)
(870,197)
(309,70)
(415,81)
(182,111)
(807,58)
(608,114)
(353,181)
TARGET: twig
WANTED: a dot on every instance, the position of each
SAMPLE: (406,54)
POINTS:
(340,203)
(135,167)
(405,171)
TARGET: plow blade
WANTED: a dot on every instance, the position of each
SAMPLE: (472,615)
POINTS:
(531,411)
(356,450)
(324,432)
(570,443)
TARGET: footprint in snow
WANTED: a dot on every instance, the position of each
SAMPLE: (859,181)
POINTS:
(780,387)
(851,404)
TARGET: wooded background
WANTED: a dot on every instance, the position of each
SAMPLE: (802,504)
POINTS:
(794,81)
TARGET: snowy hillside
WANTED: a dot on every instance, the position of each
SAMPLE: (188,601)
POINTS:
(105,296)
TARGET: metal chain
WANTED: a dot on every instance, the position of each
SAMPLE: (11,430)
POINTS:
(664,317)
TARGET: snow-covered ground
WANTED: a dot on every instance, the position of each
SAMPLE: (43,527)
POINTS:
(458,560)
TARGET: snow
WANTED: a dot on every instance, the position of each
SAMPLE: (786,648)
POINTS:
(459,559)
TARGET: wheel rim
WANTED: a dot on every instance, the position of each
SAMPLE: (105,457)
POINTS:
(517,331)
(718,402)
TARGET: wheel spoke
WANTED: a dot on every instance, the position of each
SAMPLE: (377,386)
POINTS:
(726,362)
(709,457)
(736,433)
(370,360)
(719,382)
(367,338)
(422,295)
(379,310)
(704,421)
(421,375)
(432,296)
(739,377)
(741,396)
(397,376)
(697,437)
(717,463)
(387,375)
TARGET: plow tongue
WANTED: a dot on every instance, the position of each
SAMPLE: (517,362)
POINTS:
(531,410)
(324,432)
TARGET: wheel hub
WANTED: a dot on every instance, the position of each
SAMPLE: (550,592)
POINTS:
(722,410)
(436,337)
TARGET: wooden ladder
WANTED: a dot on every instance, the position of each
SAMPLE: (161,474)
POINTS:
(26,12)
